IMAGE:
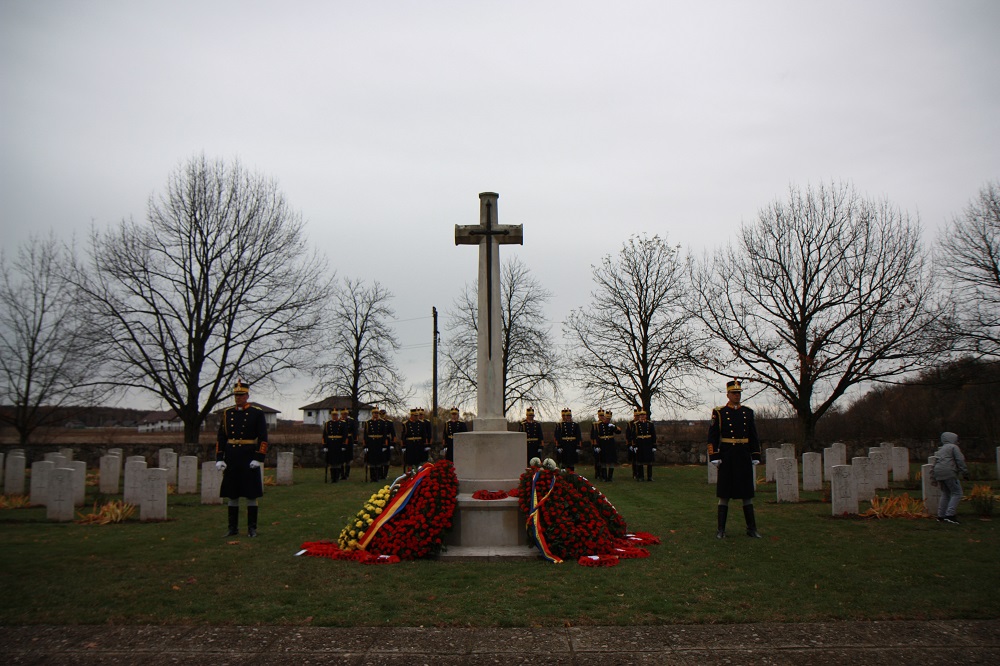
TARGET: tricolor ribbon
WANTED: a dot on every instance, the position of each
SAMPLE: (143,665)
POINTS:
(395,505)
(534,522)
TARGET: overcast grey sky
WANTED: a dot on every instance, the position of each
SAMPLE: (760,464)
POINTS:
(382,121)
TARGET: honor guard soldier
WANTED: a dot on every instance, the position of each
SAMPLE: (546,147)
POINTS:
(452,427)
(376,435)
(733,446)
(334,446)
(240,449)
(567,439)
(630,444)
(595,447)
(645,445)
(428,433)
(606,446)
(352,434)
(533,430)
(414,441)
(390,442)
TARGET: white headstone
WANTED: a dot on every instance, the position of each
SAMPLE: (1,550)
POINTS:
(67,453)
(770,461)
(812,472)
(116,452)
(135,459)
(153,505)
(879,466)
(863,478)
(843,491)
(111,472)
(931,493)
(167,459)
(133,481)
(286,459)
(79,468)
(211,483)
(787,450)
(900,463)
(58,459)
(187,475)
(713,473)
(60,495)
(786,480)
(13,474)
(40,472)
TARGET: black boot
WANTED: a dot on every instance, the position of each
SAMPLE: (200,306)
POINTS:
(649,472)
(751,521)
(334,473)
(611,474)
(723,514)
(347,471)
(251,521)
(234,521)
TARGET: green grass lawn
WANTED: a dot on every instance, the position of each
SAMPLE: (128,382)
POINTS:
(808,567)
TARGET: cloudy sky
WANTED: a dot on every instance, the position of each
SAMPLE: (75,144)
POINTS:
(382,121)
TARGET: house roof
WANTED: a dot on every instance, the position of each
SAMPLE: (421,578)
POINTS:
(157,417)
(336,402)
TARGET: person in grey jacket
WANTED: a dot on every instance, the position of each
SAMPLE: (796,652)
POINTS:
(950,463)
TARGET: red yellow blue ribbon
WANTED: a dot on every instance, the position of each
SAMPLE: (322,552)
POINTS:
(534,522)
(394,507)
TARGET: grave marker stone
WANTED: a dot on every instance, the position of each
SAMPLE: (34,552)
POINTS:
(40,472)
(111,472)
(58,459)
(153,503)
(900,463)
(786,480)
(713,473)
(812,472)
(211,483)
(167,459)
(787,450)
(66,453)
(931,493)
(879,468)
(862,478)
(133,481)
(79,468)
(60,495)
(14,470)
(770,463)
(285,461)
(843,490)
(187,475)
(116,452)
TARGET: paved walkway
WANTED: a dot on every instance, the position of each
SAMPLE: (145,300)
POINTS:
(816,644)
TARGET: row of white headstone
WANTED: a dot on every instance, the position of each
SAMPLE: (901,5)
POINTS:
(849,484)
(59,483)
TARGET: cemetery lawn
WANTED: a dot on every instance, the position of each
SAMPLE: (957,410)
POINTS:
(808,567)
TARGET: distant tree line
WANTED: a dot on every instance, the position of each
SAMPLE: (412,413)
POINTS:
(825,294)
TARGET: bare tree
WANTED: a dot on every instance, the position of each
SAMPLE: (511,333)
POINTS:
(217,283)
(823,292)
(530,362)
(968,260)
(634,344)
(361,345)
(49,357)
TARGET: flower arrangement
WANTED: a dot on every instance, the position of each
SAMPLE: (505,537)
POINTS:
(982,499)
(348,539)
(111,512)
(898,506)
(567,517)
(404,521)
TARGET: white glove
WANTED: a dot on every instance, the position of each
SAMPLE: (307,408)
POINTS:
(597,449)
(559,450)
(254,464)
(716,462)
(324,449)
(221,466)
(654,449)
(756,462)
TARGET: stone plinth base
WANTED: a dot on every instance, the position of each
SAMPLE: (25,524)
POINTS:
(489,553)
(488,529)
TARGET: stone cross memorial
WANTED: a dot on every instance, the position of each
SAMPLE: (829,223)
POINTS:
(489,457)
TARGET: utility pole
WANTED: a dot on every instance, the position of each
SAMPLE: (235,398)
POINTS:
(434,379)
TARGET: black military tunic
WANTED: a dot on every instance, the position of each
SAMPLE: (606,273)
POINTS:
(732,438)
(377,440)
(605,439)
(452,428)
(414,440)
(533,430)
(242,438)
(568,438)
(335,438)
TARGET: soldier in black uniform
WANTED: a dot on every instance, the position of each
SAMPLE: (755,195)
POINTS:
(733,446)
(595,447)
(452,427)
(376,435)
(240,449)
(630,444)
(428,434)
(414,441)
(645,445)
(390,442)
(352,434)
(567,439)
(533,430)
(606,446)
(335,436)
